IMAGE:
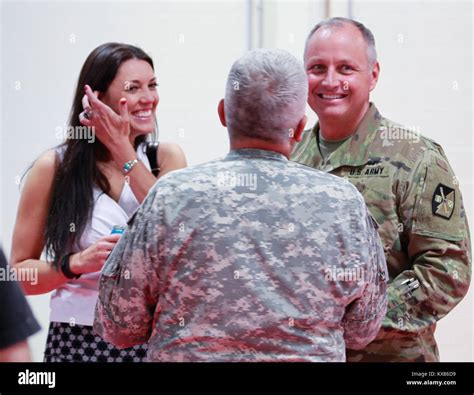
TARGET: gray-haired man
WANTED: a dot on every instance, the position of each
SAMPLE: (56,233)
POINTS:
(251,257)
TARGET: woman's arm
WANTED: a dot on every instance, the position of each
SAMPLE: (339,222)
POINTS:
(28,241)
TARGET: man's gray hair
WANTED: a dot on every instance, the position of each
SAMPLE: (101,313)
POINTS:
(338,22)
(266,95)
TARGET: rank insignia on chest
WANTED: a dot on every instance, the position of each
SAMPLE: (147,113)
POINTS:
(443,201)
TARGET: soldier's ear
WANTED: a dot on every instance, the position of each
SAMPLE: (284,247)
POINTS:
(298,133)
(221,112)
(374,75)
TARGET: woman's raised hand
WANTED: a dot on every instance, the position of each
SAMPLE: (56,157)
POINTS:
(110,128)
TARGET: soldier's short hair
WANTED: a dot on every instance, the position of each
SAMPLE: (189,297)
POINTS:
(266,95)
(338,22)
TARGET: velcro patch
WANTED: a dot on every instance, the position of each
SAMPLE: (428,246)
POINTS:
(437,211)
(443,201)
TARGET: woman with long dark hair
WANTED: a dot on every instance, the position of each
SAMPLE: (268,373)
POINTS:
(78,193)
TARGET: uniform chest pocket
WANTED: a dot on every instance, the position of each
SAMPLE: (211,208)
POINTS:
(380,201)
(377,193)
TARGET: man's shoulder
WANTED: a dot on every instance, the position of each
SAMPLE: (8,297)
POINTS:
(322,181)
(308,171)
(186,179)
(405,133)
(404,141)
(201,170)
(205,175)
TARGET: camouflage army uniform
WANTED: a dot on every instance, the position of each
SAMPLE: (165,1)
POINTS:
(249,258)
(413,194)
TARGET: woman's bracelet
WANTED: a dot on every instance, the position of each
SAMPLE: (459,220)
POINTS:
(128,166)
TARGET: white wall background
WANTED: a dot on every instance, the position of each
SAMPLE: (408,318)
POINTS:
(425,51)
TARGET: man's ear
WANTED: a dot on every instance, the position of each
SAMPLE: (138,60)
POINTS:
(374,76)
(221,112)
(298,133)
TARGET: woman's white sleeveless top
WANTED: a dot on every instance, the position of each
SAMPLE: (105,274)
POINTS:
(74,302)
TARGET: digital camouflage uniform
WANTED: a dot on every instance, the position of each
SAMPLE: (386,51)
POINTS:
(412,192)
(248,258)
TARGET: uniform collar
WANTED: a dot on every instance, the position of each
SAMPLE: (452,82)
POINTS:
(355,150)
(253,153)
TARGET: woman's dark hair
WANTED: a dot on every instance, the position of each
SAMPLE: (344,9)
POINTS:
(71,202)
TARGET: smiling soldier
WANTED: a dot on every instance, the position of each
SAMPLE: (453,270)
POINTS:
(407,183)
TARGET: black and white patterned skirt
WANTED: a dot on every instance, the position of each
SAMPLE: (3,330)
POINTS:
(78,343)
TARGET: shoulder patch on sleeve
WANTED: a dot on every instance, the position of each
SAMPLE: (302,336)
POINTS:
(438,209)
(444,201)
